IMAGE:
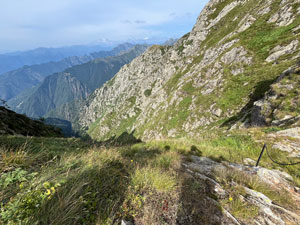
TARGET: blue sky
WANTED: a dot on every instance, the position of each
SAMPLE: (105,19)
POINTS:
(26,24)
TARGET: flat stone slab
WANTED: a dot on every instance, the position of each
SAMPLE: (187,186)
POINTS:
(293,133)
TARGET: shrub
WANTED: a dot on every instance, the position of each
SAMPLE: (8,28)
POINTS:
(148,92)
(15,176)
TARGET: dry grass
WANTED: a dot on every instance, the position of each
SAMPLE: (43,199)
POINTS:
(12,158)
(94,185)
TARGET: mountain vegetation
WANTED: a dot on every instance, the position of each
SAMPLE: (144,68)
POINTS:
(174,136)
(12,123)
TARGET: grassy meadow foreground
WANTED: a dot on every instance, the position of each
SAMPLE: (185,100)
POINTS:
(69,181)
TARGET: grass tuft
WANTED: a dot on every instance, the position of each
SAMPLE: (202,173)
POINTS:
(154,179)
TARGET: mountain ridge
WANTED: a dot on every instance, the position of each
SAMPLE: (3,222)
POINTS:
(14,60)
(229,59)
(12,123)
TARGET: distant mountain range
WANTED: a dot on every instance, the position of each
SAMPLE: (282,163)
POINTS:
(14,82)
(75,83)
(15,60)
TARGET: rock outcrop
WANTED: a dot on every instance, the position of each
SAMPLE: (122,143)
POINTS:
(287,140)
(280,105)
(213,174)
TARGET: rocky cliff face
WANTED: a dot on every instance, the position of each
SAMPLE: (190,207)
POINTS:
(210,77)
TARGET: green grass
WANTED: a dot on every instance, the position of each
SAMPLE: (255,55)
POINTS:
(288,103)
(188,88)
(180,49)
(179,115)
(90,183)
(132,100)
(227,24)
(272,129)
(94,125)
(236,204)
(234,148)
(262,37)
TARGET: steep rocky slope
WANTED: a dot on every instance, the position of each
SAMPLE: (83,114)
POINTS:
(211,77)
(12,123)
(14,82)
(74,83)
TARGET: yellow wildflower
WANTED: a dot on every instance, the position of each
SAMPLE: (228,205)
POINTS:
(230,199)
(48,192)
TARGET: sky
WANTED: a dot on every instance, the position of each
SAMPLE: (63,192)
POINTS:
(28,24)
